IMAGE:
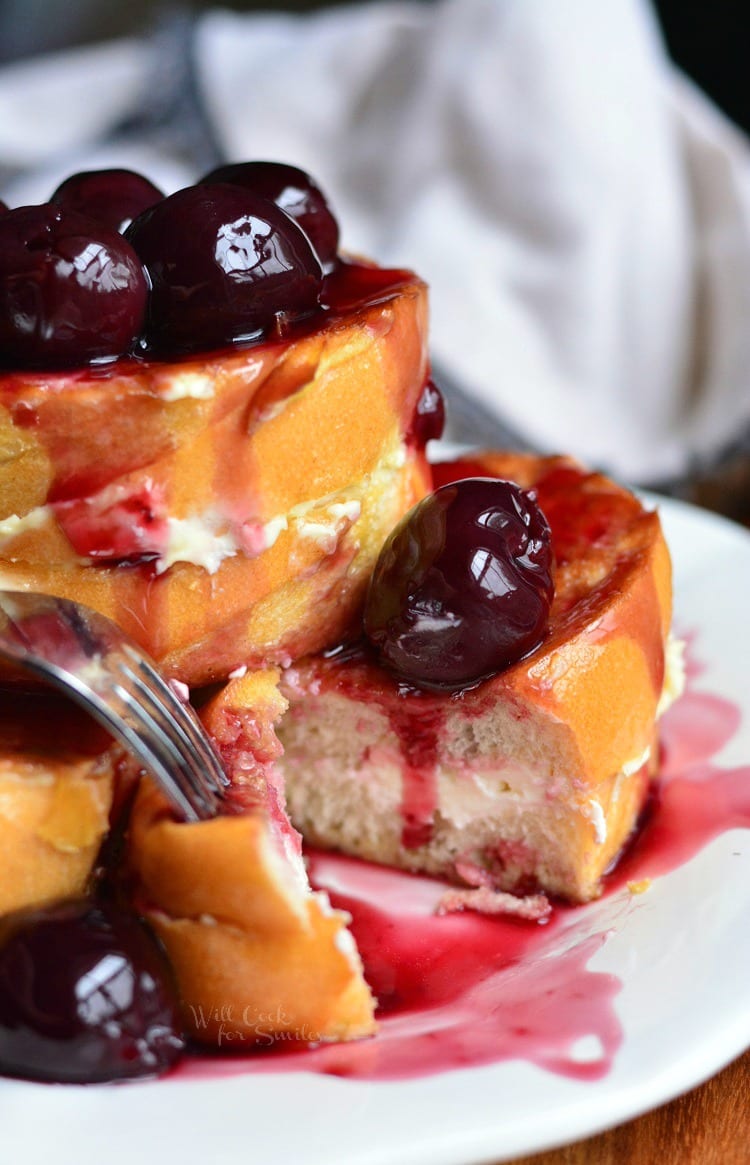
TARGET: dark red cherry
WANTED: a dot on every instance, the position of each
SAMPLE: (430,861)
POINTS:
(71,290)
(85,995)
(463,585)
(3,207)
(112,197)
(428,421)
(224,265)
(296,193)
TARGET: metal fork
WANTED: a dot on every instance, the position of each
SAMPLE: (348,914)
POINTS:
(91,660)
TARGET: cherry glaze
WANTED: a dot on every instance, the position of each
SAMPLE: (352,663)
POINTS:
(463,585)
(428,421)
(296,193)
(580,518)
(117,526)
(85,995)
(418,739)
(71,290)
(112,197)
(225,265)
(352,285)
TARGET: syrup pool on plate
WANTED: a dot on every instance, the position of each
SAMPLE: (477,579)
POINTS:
(466,990)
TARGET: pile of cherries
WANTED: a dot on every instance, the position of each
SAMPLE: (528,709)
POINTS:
(110,267)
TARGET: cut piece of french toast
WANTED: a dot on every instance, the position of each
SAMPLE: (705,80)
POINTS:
(256,954)
(534,778)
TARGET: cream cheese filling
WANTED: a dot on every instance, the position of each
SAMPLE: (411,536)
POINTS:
(206,539)
(463,801)
(13,526)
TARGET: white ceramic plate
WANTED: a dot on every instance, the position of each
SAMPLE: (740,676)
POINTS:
(682,952)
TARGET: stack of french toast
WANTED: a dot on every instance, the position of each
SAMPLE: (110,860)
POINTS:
(225,487)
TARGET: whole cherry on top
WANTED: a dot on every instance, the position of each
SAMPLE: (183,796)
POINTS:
(463,585)
(112,197)
(71,290)
(296,193)
(222,262)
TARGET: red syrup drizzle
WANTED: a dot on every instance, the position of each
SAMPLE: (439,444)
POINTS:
(418,740)
(466,990)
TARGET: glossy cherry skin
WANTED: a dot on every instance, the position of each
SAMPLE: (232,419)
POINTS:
(85,996)
(225,265)
(296,193)
(428,421)
(112,197)
(463,585)
(71,290)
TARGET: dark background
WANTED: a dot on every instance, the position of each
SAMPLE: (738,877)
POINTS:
(705,37)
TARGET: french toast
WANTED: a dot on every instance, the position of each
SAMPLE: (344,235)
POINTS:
(57,777)
(226,503)
(227,509)
(231,902)
(207,439)
(534,778)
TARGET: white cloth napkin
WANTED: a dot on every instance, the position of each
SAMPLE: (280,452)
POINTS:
(581,212)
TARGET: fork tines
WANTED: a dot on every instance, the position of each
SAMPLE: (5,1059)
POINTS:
(152,704)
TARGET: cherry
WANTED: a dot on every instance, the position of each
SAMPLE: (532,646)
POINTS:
(85,995)
(112,197)
(463,585)
(225,264)
(296,193)
(3,207)
(428,421)
(71,290)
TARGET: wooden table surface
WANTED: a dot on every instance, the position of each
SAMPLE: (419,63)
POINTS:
(708,1126)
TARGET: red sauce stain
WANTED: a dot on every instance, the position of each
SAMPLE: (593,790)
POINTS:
(466,990)
(118,524)
(418,740)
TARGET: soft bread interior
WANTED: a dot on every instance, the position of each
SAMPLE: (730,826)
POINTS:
(507,807)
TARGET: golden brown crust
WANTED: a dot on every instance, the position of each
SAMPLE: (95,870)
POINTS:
(255,953)
(600,669)
(56,786)
(249,949)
